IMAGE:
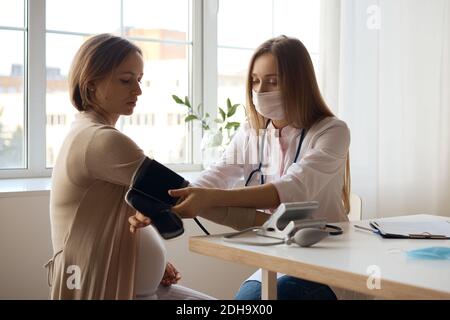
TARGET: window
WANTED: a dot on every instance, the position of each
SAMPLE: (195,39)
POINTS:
(174,119)
(56,119)
(164,36)
(241,31)
(188,51)
(13,32)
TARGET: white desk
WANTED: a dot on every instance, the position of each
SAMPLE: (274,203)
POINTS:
(345,262)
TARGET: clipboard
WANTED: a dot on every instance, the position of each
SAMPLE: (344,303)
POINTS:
(439,230)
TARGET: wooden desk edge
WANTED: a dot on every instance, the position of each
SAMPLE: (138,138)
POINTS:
(331,277)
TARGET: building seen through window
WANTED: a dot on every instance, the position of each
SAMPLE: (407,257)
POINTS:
(165,73)
(165,37)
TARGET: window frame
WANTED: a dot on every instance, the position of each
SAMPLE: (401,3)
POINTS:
(203,82)
(313,54)
(35,94)
(25,29)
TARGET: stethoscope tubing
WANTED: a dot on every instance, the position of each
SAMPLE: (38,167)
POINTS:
(261,153)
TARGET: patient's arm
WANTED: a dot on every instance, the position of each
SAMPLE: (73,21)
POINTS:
(237,218)
(261,217)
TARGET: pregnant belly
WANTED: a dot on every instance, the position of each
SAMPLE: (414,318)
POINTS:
(151,261)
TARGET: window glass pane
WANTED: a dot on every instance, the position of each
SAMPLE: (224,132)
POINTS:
(84,16)
(232,68)
(258,21)
(245,23)
(156,19)
(157,124)
(299,19)
(12,13)
(166,73)
(60,51)
(12,143)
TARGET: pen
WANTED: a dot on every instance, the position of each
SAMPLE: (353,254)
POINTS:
(365,228)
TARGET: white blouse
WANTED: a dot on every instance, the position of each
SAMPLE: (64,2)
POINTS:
(318,174)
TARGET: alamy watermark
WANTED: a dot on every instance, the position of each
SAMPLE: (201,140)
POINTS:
(259,148)
(373,21)
(374,280)
(73,282)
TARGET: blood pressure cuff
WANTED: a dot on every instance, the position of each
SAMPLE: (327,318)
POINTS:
(148,195)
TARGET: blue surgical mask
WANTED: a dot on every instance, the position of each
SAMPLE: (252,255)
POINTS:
(431,253)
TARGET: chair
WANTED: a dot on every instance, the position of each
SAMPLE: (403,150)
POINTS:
(355,213)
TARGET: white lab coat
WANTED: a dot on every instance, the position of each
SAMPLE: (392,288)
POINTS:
(318,174)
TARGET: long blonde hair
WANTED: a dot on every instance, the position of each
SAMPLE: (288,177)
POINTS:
(303,103)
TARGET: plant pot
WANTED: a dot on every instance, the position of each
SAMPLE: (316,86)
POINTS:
(211,146)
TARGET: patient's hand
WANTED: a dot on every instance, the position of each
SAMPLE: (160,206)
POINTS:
(171,275)
(138,221)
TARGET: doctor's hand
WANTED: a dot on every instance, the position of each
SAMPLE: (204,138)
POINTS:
(194,201)
(138,221)
(171,275)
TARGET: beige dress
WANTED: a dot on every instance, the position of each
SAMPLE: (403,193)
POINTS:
(94,252)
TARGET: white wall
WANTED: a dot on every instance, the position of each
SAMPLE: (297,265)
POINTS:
(387,74)
(25,246)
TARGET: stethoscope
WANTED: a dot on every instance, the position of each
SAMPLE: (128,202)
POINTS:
(297,154)
(301,237)
(261,153)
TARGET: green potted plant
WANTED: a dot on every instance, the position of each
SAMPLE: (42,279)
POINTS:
(218,132)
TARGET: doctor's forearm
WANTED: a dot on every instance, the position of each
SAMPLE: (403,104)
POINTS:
(260,197)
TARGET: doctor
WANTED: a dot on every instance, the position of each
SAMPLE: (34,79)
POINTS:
(301,152)
(292,149)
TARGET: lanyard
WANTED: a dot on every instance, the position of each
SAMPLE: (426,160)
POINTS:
(297,154)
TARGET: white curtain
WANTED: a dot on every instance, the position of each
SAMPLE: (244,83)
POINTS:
(385,71)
